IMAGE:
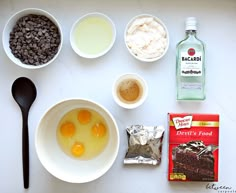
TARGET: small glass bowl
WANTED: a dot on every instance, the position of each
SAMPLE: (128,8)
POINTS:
(98,23)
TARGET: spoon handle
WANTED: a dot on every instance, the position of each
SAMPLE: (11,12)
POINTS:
(25,149)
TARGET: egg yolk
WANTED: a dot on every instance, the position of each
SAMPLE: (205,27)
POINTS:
(77,149)
(84,116)
(67,129)
(99,130)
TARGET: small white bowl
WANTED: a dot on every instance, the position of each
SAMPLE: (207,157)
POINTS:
(134,80)
(11,23)
(142,42)
(94,31)
(63,166)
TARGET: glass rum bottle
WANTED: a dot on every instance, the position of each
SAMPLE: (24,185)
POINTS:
(190,64)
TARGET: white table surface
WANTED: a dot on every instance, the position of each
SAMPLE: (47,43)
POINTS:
(70,76)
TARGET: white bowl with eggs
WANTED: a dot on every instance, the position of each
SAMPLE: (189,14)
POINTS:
(9,26)
(146,38)
(92,35)
(66,167)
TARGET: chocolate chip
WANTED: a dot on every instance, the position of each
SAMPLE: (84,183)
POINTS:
(34,39)
(40,33)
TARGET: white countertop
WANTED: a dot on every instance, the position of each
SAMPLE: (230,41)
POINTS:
(70,76)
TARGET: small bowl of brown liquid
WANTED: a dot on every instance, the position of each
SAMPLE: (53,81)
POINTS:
(130,90)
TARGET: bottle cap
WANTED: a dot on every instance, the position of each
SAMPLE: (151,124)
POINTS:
(191,23)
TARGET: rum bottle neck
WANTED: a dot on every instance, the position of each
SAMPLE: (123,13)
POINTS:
(191,32)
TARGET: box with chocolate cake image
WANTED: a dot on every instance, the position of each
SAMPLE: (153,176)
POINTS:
(193,147)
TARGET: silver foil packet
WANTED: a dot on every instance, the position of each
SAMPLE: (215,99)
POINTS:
(144,144)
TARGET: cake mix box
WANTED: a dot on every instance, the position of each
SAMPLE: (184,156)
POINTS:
(193,147)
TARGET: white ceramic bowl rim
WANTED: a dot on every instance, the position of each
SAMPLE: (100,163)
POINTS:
(127,76)
(75,171)
(85,55)
(160,22)
(8,28)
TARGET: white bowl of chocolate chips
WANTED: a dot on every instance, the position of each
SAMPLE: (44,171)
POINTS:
(32,38)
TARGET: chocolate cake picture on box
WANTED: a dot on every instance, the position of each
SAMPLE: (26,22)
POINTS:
(193,147)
